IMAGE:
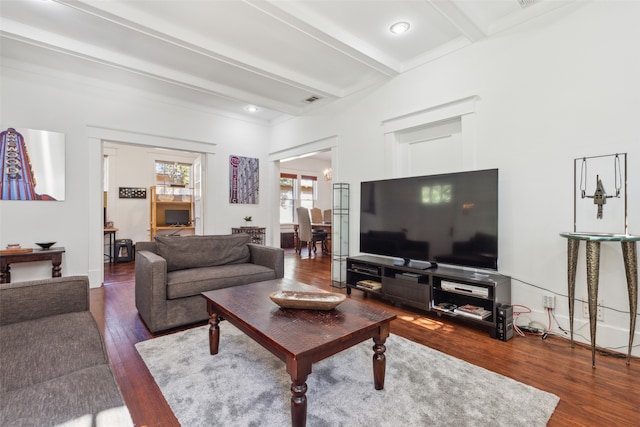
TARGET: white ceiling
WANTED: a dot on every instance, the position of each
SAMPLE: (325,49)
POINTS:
(227,54)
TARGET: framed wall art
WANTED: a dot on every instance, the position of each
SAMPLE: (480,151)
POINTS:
(33,165)
(244,180)
(132,193)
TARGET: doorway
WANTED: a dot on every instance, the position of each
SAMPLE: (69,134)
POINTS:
(305,181)
(130,174)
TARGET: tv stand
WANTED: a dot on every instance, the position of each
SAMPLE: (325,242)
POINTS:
(432,289)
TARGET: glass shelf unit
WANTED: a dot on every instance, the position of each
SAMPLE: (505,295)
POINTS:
(340,235)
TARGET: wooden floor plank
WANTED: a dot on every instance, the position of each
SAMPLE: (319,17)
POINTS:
(608,395)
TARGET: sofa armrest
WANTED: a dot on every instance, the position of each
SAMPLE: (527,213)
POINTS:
(268,256)
(146,246)
(35,299)
(151,286)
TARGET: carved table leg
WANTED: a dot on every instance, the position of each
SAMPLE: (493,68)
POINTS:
(593,272)
(299,370)
(299,404)
(631,269)
(214,333)
(56,270)
(5,273)
(573,246)
(379,359)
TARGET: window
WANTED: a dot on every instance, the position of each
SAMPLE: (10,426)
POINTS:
(308,191)
(295,192)
(173,173)
(287,197)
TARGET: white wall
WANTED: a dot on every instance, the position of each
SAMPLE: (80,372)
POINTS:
(563,87)
(78,107)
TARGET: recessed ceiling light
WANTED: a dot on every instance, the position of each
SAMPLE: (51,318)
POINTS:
(399,27)
(251,108)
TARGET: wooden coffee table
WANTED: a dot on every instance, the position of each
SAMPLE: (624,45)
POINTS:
(298,337)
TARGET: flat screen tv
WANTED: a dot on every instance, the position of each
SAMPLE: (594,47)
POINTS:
(425,220)
(177,217)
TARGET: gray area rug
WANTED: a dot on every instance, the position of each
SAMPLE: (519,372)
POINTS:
(245,385)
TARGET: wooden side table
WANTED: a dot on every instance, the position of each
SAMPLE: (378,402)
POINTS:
(630,259)
(111,233)
(53,254)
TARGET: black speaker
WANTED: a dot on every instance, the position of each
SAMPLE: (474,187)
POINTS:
(504,322)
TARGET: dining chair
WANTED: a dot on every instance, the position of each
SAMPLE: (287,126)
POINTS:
(326,216)
(316,216)
(306,234)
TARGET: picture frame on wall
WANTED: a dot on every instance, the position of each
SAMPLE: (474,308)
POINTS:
(33,166)
(244,180)
(132,193)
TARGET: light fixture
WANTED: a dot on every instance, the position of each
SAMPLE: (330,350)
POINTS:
(251,108)
(328,174)
(400,27)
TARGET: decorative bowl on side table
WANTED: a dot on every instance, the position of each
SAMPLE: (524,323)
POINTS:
(46,245)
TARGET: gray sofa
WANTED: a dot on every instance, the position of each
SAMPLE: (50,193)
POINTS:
(172,271)
(53,362)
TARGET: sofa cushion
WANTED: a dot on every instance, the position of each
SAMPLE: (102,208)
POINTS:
(88,397)
(37,350)
(203,251)
(186,283)
(21,301)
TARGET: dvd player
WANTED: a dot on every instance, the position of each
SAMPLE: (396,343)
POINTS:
(365,269)
(465,288)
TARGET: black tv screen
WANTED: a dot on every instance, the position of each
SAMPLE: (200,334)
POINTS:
(176,217)
(449,218)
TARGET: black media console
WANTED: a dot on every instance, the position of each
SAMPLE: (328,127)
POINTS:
(442,290)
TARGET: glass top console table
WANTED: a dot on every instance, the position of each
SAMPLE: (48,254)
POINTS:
(630,259)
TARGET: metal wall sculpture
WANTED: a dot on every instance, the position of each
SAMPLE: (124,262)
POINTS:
(600,194)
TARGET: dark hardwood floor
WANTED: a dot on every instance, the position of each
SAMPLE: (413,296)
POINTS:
(606,396)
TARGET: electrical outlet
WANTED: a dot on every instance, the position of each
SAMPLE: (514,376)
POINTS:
(599,312)
(548,301)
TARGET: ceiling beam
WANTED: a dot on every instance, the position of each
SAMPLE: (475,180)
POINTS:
(326,32)
(457,18)
(122,14)
(54,42)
